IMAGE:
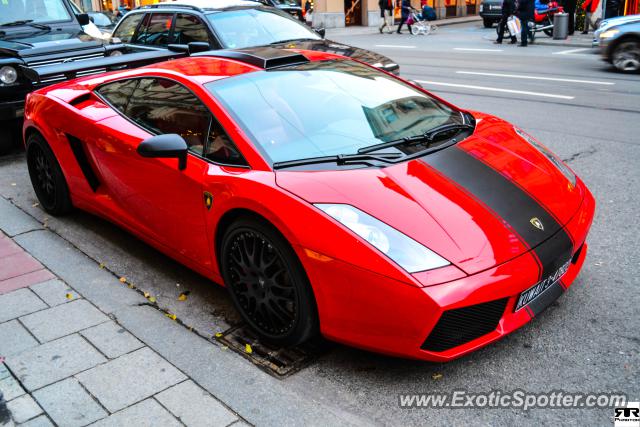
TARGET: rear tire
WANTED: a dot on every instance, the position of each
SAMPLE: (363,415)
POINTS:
(267,283)
(546,22)
(626,56)
(46,177)
(488,23)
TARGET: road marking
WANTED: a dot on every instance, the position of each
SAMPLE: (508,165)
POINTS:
(468,49)
(396,45)
(572,51)
(496,89)
(553,79)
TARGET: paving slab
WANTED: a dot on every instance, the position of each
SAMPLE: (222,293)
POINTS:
(18,303)
(228,377)
(10,388)
(112,339)
(13,221)
(41,421)
(25,280)
(69,404)
(53,361)
(14,338)
(83,274)
(194,406)
(148,413)
(55,292)
(23,408)
(56,322)
(7,246)
(130,379)
(17,264)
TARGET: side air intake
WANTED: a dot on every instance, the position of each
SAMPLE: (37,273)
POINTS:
(263,57)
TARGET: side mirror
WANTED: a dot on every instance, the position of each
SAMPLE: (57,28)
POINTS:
(167,146)
(320,31)
(83,19)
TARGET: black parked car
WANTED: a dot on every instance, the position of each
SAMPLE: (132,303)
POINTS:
(36,33)
(491,12)
(231,25)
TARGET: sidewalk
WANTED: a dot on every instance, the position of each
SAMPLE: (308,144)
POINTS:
(576,40)
(358,31)
(78,346)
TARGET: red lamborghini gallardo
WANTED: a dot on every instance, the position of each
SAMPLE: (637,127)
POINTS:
(328,196)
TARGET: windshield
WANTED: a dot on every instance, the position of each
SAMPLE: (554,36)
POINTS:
(256,27)
(37,11)
(326,108)
(100,19)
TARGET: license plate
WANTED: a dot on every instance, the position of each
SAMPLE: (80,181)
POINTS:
(531,294)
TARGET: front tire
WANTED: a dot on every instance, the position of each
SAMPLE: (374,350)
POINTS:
(46,177)
(626,56)
(267,283)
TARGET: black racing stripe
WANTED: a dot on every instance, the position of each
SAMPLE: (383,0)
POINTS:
(512,204)
(544,300)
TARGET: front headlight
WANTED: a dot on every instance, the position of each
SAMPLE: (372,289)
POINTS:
(8,75)
(402,249)
(568,173)
(608,34)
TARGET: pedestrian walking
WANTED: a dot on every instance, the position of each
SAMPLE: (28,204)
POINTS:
(386,13)
(589,7)
(508,9)
(526,13)
(570,8)
(406,12)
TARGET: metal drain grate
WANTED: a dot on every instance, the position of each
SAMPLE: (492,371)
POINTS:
(280,362)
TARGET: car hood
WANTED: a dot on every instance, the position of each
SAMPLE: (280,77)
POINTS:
(472,203)
(32,43)
(363,55)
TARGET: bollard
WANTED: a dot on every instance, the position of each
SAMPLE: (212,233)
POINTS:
(560,26)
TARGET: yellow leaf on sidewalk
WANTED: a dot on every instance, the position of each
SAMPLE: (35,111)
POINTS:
(69,296)
(101,265)
(248,349)
(146,295)
(171,316)
(182,297)
(123,280)
(436,376)
(152,299)
(218,334)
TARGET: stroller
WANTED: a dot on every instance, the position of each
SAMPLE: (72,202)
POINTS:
(418,23)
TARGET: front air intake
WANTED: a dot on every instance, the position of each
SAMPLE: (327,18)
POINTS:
(462,325)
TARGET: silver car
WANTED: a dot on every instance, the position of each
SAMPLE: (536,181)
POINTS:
(620,46)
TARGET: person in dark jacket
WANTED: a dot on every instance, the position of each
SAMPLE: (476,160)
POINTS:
(508,9)
(526,13)
(386,13)
(406,11)
(570,8)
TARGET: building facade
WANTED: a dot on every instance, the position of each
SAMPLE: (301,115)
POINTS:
(341,13)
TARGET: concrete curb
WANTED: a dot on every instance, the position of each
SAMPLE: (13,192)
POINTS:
(360,31)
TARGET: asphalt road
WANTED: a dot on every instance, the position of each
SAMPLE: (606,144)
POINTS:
(588,341)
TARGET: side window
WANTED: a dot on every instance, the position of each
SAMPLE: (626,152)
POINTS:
(220,148)
(189,28)
(127,27)
(164,106)
(155,29)
(118,93)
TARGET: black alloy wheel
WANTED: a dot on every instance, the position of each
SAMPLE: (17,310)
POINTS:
(267,283)
(46,177)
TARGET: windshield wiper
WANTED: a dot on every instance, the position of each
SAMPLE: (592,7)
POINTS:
(26,22)
(342,159)
(427,138)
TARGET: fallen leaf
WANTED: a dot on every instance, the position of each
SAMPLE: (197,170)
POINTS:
(35,205)
(101,265)
(123,280)
(183,296)
(69,296)
(130,285)
(218,334)
(146,295)
(436,376)
(224,347)
(171,316)
(152,299)
(248,349)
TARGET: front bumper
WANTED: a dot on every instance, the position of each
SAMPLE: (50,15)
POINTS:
(11,110)
(373,312)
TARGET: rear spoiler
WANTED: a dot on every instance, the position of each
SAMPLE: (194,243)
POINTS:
(73,69)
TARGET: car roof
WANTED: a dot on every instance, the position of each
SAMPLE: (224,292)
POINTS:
(202,5)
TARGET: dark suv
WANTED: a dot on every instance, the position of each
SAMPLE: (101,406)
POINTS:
(491,12)
(232,25)
(36,33)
